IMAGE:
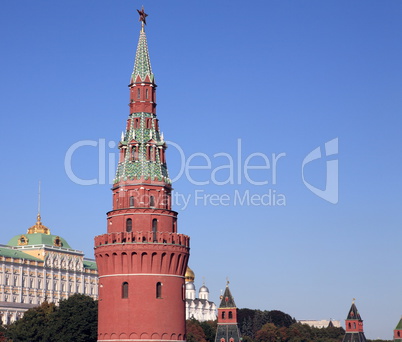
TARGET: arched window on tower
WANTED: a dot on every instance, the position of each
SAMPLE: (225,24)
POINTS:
(138,93)
(146,94)
(230,315)
(159,290)
(131,201)
(151,201)
(137,123)
(223,314)
(154,228)
(129,225)
(124,290)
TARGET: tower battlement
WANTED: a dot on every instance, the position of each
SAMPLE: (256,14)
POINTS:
(142,237)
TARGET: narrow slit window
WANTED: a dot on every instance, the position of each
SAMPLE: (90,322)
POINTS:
(146,94)
(132,201)
(154,228)
(124,290)
(138,93)
(152,201)
(158,290)
(129,225)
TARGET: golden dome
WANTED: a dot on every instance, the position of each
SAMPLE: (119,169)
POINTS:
(190,276)
(38,227)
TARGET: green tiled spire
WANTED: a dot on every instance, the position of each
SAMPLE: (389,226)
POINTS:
(142,65)
(130,169)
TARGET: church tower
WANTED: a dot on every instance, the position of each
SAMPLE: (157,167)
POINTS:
(142,259)
(354,326)
(227,330)
(398,332)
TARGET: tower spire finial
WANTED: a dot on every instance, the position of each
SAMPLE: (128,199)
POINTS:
(143,17)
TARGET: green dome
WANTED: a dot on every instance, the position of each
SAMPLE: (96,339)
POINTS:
(38,239)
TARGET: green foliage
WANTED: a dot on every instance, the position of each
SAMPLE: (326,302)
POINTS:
(298,333)
(201,331)
(277,326)
(251,321)
(195,333)
(209,328)
(33,326)
(75,319)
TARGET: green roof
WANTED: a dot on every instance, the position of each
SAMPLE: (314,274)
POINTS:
(399,326)
(38,239)
(90,265)
(142,64)
(12,253)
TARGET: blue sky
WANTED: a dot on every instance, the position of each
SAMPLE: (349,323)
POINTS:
(278,76)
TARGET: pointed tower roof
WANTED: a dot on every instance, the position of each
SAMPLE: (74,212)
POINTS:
(398,332)
(399,325)
(142,65)
(354,326)
(227,300)
(353,313)
(143,142)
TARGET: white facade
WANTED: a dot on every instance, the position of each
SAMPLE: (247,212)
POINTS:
(199,308)
(27,281)
(320,323)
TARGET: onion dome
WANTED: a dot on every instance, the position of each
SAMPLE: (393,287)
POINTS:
(203,288)
(190,276)
(190,286)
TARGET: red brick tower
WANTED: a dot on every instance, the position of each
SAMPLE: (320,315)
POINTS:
(142,259)
(354,326)
(227,330)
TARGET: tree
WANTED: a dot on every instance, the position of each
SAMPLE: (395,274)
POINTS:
(34,326)
(209,328)
(268,333)
(195,333)
(280,319)
(76,319)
